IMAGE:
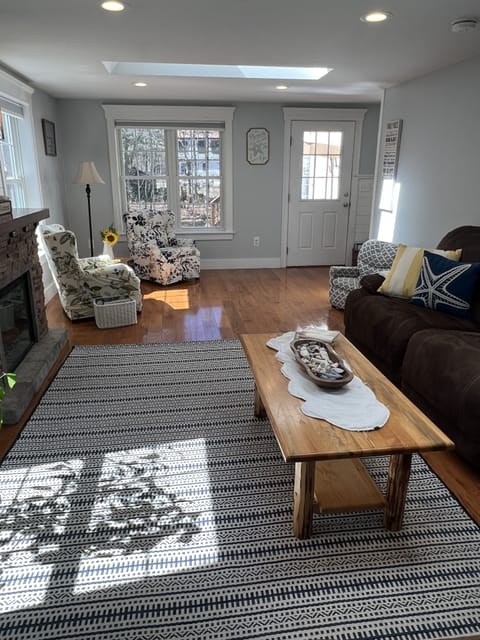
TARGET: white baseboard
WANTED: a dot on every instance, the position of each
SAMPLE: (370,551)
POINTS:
(49,291)
(240,263)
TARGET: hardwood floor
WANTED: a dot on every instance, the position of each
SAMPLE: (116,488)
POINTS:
(223,304)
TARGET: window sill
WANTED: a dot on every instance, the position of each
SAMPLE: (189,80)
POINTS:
(205,235)
(197,235)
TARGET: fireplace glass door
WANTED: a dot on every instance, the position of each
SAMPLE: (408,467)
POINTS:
(16,323)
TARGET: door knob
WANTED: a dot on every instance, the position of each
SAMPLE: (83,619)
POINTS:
(346,204)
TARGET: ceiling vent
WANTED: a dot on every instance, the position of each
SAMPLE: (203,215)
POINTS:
(461,25)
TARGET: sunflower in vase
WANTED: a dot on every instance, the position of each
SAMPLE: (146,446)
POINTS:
(110,238)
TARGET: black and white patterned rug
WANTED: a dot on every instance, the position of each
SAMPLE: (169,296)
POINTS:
(143,500)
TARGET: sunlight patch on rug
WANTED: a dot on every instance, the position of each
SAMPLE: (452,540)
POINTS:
(147,521)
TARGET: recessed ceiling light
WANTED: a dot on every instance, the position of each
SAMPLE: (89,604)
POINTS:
(461,25)
(376,16)
(281,87)
(113,5)
(140,84)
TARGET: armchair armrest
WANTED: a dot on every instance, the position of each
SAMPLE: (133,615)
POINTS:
(94,263)
(113,280)
(343,272)
(185,242)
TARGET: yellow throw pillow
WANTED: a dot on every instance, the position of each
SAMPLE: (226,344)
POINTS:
(403,275)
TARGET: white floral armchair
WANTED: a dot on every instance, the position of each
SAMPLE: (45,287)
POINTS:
(157,254)
(375,256)
(80,281)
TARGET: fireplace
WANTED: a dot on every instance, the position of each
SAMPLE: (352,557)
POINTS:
(16,322)
(27,347)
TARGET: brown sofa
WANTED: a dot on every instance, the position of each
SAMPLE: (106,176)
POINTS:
(432,356)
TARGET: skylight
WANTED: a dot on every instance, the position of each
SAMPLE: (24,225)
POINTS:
(214,71)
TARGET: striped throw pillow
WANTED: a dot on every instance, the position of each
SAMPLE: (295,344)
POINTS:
(403,275)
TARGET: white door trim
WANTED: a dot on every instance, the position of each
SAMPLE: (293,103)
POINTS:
(318,114)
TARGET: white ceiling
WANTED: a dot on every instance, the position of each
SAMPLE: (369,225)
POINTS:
(59,46)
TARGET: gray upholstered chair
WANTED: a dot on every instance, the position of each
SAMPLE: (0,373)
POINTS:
(158,255)
(375,256)
(80,281)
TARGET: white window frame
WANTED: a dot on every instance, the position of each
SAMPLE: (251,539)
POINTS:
(178,116)
(14,90)
(16,153)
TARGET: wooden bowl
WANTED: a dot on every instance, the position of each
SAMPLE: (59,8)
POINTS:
(329,383)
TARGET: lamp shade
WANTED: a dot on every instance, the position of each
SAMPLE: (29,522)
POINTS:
(88,174)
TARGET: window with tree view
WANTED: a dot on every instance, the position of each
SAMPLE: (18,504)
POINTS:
(173,168)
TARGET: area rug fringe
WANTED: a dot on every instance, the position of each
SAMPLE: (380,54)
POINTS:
(143,501)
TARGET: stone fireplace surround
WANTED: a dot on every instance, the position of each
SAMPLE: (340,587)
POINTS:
(19,255)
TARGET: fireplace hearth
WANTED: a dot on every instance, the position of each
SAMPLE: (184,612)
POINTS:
(27,347)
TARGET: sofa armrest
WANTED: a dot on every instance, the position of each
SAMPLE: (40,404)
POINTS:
(372,282)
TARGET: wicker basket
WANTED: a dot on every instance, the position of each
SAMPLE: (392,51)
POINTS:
(110,312)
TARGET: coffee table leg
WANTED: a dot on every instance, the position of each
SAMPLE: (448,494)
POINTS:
(398,476)
(259,410)
(303,499)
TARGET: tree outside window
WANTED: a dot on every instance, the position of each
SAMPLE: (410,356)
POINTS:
(173,168)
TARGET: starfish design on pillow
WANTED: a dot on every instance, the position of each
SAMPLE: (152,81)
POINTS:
(433,288)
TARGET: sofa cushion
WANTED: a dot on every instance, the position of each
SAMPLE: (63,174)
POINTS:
(441,375)
(446,285)
(403,275)
(381,327)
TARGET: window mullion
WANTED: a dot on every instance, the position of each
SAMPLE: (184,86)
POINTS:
(172,178)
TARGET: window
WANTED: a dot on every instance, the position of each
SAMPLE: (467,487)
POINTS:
(182,160)
(12,175)
(191,185)
(322,153)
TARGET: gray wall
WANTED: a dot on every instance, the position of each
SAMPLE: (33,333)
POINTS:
(438,168)
(257,189)
(50,167)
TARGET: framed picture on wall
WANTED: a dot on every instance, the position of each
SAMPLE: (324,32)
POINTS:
(391,148)
(49,139)
(257,146)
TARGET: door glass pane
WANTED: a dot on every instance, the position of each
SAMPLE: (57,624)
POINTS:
(335,142)
(320,186)
(322,161)
(321,166)
(307,189)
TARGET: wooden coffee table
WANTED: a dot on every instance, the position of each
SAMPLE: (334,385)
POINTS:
(329,475)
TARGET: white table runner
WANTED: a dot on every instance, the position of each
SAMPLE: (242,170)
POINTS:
(353,407)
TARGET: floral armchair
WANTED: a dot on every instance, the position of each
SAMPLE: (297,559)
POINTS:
(157,254)
(80,281)
(375,256)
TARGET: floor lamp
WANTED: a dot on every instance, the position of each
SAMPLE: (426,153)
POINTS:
(87,175)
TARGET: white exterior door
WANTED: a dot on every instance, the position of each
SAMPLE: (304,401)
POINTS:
(321,159)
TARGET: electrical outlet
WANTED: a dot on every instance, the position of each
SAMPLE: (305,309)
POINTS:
(256,241)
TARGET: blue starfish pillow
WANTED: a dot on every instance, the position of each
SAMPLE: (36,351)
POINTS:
(446,285)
